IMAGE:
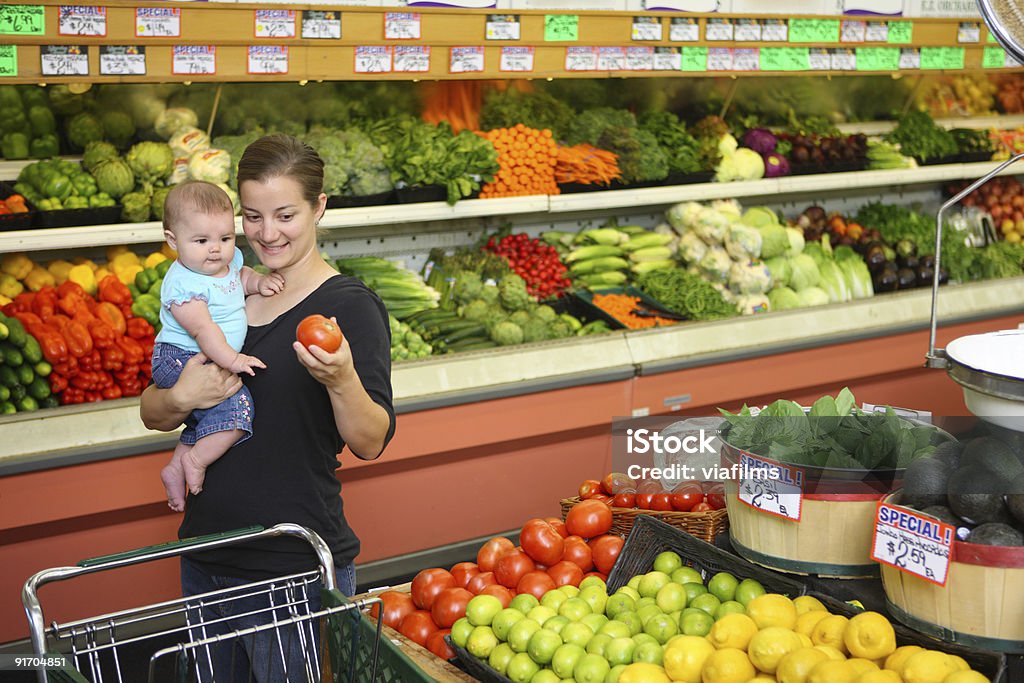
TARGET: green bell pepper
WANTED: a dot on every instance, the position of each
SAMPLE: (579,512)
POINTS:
(14,146)
(57,186)
(134,290)
(147,307)
(163,267)
(49,204)
(34,97)
(67,167)
(145,278)
(44,146)
(84,185)
(76,202)
(101,199)
(42,120)
(154,289)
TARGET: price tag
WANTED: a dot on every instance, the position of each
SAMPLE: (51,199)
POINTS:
(372,59)
(667,59)
(82,21)
(747,30)
(878,32)
(913,543)
(683,30)
(719,59)
(694,59)
(853,31)
(785,59)
(646,28)
(611,59)
(968,32)
(516,59)
(819,59)
(770,487)
(275,23)
(122,60)
(994,58)
(8,60)
(814,30)
(401,26)
(502,27)
(746,59)
(466,60)
(900,32)
(561,27)
(412,58)
(321,25)
(194,59)
(22,20)
(639,59)
(942,57)
(878,58)
(64,60)
(157,22)
(718,29)
(268,59)
(581,59)
(843,59)
(910,58)
(774,31)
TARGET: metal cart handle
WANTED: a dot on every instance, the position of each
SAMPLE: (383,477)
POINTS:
(937,357)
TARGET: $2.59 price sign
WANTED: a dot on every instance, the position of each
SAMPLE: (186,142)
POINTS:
(913,543)
(769,487)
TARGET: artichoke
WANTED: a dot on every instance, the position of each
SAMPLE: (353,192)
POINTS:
(83,129)
(114,177)
(150,161)
(513,294)
(96,153)
(156,203)
(135,207)
(118,128)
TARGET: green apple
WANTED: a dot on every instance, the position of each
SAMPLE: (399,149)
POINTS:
(651,653)
(553,599)
(620,602)
(540,614)
(566,658)
(521,669)
(591,669)
(546,676)
(693,590)
(501,655)
(723,586)
(596,597)
(577,633)
(482,609)
(632,620)
(616,629)
(481,642)
(687,575)
(661,627)
(729,607)
(589,581)
(647,612)
(542,646)
(598,643)
(695,622)
(634,582)
(569,590)
(620,651)
(521,632)
(524,602)
(652,582)
(667,562)
(556,623)
(613,675)
(671,597)
(575,609)
(503,622)
(631,592)
(594,621)
(461,630)
(747,590)
(707,602)
(644,602)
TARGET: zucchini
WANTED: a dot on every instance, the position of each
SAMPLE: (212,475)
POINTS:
(477,345)
(477,330)
(446,328)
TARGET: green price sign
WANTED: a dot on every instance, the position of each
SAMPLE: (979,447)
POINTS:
(8,60)
(561,27)
(695,59)
(785,59)
(878,58)
(814,30)
(994,58)
(900,32)
(942,57)
(22,20)
(990,38)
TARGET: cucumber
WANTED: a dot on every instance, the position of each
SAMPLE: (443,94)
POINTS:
(43,369)
(12,356)
(8,377)
(27,404)
(5,393)
(39,389)
(25,374)
(447,328)
(476,345)
(32,351)
(476,330)
(7,408)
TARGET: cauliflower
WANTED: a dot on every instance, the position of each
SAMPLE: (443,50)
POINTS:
(711,226)
(179,171)
(729,207)
(150,161)
(683,217)
(170,121)
(507,333)
(212,165)
(187,141)
(692,248)
(743,242)
(753,303)
(752,277)
(715,265)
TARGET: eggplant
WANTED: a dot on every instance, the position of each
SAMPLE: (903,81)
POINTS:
(800,155)
(910,261)
(907,278)
(875,257)
(925,275)
(885,281)
(927,261)
(906,247)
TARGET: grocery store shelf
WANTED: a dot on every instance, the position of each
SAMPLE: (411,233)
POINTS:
(433,211)
(1002,121)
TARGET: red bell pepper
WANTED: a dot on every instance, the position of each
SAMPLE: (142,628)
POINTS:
(112,316)
(78,339)
(103,335)
(139,328)
(114,291)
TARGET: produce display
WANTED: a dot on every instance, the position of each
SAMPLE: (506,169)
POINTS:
(526,162)
(619,490)
(533,260)
(402,291)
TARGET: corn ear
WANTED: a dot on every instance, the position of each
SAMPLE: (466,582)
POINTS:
(592,251)
(602,236)
(651,254)
(598,265)
(557,238)
(648,239)
(607,278)
(648,266)
(632,229)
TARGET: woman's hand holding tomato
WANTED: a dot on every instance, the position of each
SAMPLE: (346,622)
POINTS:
(330,368)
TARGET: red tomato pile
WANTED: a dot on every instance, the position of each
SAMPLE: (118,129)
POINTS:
(551,553)
(534,261)
(622,491)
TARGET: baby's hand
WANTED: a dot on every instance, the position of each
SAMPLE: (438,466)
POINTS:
(243,363)
(270,284)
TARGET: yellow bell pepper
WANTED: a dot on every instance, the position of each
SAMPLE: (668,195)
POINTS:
(82,261)
(10,287)
(5,300)
(84,276)
(116,250)
(16,265)
(59,269)
(101,273)
(153,259)
(38,278)
(127,258)
(168,252)
(126,274)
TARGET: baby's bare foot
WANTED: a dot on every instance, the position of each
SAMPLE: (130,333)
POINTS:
(174,484)
(195,472)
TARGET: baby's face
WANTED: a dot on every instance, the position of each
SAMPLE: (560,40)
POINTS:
(205,242)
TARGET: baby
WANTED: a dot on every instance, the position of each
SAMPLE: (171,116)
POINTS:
(203,309)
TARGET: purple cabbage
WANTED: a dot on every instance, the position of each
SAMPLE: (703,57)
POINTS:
(775,165)
(761,140)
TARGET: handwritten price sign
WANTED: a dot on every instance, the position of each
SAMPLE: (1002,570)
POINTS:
(82,21)
(22,20)
(412,58)
(770,487)
(321,25)
(194,59)
(122,60)
(913,543)
(64,60)
(157,22)
(268,59)
(275,23)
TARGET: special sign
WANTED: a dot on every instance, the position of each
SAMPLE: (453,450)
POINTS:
(913,543)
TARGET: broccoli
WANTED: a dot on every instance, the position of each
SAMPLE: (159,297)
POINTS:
(512,290)
(544,313)
(507,333)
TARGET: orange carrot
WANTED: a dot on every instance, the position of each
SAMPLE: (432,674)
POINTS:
(526,160)
(620,307)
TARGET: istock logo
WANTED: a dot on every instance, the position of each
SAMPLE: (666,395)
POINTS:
(648,441)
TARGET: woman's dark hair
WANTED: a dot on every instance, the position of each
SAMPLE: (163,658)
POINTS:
(277,155)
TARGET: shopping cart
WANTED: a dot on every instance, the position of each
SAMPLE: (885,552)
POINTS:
(190,639)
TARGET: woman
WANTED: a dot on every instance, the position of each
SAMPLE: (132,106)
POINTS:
(309,404)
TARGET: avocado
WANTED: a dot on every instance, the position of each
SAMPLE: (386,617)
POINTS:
(993,455)
(925,482)
(1013,438)
(976,494)
(949,453)
(1015,498)
(944,514)
(996,534)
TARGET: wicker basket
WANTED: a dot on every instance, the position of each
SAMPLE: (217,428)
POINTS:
(703,525)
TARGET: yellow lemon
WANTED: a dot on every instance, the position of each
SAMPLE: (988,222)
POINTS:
(928,667)
(862,665)
(960,662)
(807,603)
(870,635)
(772,609)
(880,676)
(833,672)
(763,678)
(806,640)
(832,653)
(733,630)
(728,665)
(898,659)
(684,658)
(641,672)
(796,666)
(806,622)
(770,645)
(965,677)
(829,631)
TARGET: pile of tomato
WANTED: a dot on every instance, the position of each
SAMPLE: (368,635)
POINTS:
(551,553)
(534,261)
(622,491)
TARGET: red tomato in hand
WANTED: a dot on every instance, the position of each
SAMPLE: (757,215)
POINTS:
(427,584)
(487,556)
(606,550)
(589,518)
(396,606)
(624,499)
(661,501)
(477,584)
(541,542)
(436,644)
(578,552)
(319,331)
(558,524)
(450,606)
(500,592)
(463,572)
(512,567)
(590,488)
(686,495)
(536,583)
(417,627)
(566,573)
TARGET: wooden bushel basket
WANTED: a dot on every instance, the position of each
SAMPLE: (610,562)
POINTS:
(704,525)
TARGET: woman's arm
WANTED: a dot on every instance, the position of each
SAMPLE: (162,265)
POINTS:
(201,385)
